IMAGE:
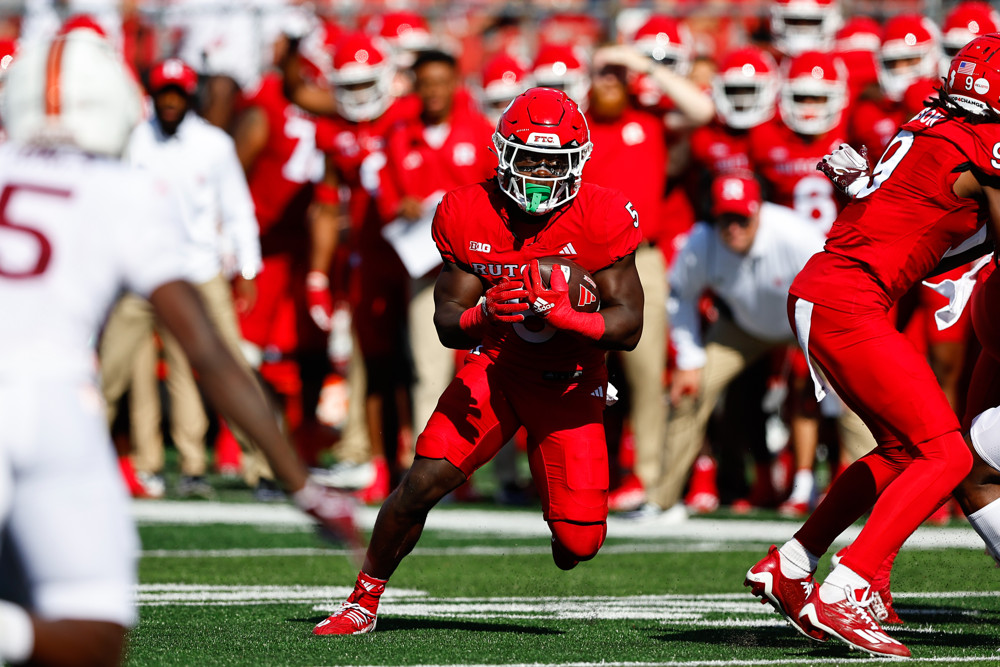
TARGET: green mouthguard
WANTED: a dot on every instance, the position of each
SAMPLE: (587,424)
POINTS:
(536,194)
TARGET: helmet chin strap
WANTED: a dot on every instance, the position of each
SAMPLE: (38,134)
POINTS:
(536,195)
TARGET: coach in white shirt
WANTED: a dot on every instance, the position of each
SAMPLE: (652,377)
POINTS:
(748,256)
(200,163)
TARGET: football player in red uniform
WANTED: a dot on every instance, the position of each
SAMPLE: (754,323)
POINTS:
(354,141)
(544,369)
(276,143)
(907,59)
(784,152)
(932,191)
(804,25)
(745,92)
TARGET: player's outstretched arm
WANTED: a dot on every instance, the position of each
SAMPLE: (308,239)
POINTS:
(235,394)
(621,304)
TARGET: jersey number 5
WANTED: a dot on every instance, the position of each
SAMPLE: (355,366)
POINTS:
(17,234)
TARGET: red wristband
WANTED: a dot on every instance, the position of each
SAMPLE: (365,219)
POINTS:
(473,321)
(590,325)
(324,193)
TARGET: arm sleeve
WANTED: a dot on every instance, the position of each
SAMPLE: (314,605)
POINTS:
(687,281)
(239,222)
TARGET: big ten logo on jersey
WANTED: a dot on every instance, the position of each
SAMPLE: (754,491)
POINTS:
(476,246)
(813,199)
(306,162)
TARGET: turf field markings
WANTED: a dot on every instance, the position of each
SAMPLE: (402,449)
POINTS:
(812,660)
(520,523)
(673,547)
(716,610)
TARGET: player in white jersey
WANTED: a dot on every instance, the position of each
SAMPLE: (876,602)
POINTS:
(76,227)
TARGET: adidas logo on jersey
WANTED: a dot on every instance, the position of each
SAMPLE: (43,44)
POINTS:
(567,249)
(599,392)
(586,297)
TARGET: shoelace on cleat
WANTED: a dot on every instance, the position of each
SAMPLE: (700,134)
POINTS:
(860,607)
(360,615)
(807,585)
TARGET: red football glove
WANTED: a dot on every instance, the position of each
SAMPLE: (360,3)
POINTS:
(319,300)
(504,302)
(554,306)
(333,510)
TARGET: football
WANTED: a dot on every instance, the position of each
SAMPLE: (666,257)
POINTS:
(583,292)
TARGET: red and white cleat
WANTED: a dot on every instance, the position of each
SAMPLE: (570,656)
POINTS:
(881,607)
(785,594)
(849,621)
(356,616)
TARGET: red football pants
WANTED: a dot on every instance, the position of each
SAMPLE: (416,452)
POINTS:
(486,404)
(920,455)
(984,386)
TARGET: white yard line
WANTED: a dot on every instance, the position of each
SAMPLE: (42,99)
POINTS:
(811,660)
(519,523)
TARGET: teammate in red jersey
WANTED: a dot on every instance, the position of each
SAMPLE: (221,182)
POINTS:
(745,92)
(276,144)
(543,370)
(934,190)
(784,152)
(354,142)
(907,59)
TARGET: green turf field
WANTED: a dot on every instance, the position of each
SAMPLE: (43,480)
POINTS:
(246,588)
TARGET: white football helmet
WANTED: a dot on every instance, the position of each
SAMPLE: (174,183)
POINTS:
(813,93)
(361,77)
(72,89)
(745,89)
(804,25)
(911,50)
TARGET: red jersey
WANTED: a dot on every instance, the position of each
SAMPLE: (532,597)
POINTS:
(357,151)
(630,154)
(720,149)
(281,178)
(874,123)
(416,167)
(787,163)
(908,219)
(595,229)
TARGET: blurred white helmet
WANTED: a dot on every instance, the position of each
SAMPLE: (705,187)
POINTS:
(73,89)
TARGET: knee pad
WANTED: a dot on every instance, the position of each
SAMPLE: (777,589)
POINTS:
(581,540)
(985,436)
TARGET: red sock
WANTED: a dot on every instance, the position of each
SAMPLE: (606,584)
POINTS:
(938,466)
(852,494)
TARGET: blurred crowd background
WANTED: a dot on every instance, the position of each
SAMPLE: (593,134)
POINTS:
(394,102)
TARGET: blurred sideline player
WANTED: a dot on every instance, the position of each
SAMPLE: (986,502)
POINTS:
(932,195)
(643,90)
(444,146)
(353,140)
(276,144)
(632,157)
(548,374)
(199,161)
(804,25)
(80,225)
